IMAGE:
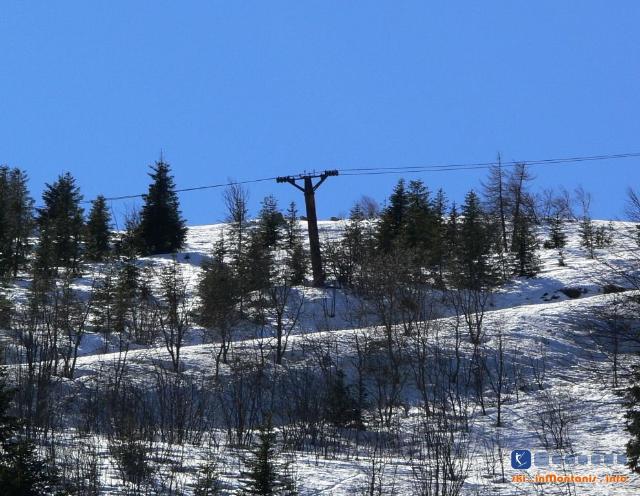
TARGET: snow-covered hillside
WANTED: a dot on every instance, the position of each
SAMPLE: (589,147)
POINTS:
(556,369)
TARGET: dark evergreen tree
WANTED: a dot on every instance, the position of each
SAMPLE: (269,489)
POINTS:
(341,405)
(259,262)
(438,248)
(264,475)
(526,246)
(419,225)
(236,200)
(524,243)
(296,256)
(587,232)
(346,257)
(474,268)
(97,232)
(16,221)
(270,222)
(22,472)
(392,219)
(60,226)
(208,482)
(557,236)
(496,195)
(603,235)
(219,294)
(6,311)
(633,421)
(162,228)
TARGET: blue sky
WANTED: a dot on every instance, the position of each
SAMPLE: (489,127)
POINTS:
(242,90)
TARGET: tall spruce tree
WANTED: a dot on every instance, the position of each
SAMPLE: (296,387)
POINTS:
(474,269)
(557,236)
(162,228)
(296,256)
(418,222)
(438,248)
(270,222)
(16,221)
(524,243)
(60,225)
(97,232)
(392,219)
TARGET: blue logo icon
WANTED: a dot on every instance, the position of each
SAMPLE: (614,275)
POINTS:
(521,459)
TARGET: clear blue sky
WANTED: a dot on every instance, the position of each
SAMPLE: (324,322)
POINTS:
(242,89)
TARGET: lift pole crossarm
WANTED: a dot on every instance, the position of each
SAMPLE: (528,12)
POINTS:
(324,176)
(290,180)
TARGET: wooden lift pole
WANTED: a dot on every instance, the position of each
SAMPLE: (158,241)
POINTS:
(309,190)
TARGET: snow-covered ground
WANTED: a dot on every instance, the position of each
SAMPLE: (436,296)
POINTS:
(542,329)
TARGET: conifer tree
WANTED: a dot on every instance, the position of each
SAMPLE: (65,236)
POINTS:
(16,221)
(264,475)
(219,293)
(633,421)
(97,232)
(392,219)
(524,243)
(437,252)
(474,247)
(236,199)
(526,247)
(162,228)
(497,199)
(557,236)
(270,222)
(22,472)
(296,257)
(60,226)
(341,405)
(418,223)
(452,239)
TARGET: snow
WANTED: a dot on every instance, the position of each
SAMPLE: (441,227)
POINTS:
(538,322)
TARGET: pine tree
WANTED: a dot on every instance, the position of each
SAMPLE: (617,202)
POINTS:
(587,235)
(392,219)
(633,421)
(296,256)
(16,221)
(97,231)
(162,228)
(419,224)
(258,266)
(22,472)
(524,243)
(208,482)
(270,222)
(438,248)
(6,311)
(347,256)
(264,475)
(474,269)
(557,236)
(497,200)
(236,199)
(219,294)
(60,226)
(341,406)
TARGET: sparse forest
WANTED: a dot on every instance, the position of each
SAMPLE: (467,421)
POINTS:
(162,359)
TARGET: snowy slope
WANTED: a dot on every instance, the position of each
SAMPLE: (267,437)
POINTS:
(540,325)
